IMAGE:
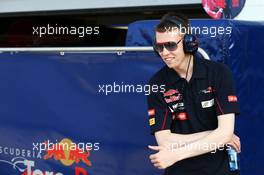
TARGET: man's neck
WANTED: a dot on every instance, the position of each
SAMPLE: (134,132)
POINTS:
(182,68)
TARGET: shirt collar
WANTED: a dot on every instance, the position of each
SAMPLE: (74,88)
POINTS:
(172,76)
(199,70)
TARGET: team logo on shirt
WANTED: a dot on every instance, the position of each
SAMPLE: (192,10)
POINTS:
(207,103)
(182,116)
(152,121)
(172,95)
(232,98)
(151,112)
(170,92)
(178,106)
(173,98)
(207,90)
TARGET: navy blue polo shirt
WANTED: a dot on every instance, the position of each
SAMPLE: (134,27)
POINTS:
(191,107)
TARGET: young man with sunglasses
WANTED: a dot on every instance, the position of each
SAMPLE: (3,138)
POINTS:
(193,120)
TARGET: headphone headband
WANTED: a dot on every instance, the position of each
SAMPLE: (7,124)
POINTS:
(190,42)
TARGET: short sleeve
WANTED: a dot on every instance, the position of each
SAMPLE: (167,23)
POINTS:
(226,98)
(158,112)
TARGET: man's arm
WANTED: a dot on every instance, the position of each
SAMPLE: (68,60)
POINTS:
(218,137)
(173,140)
(166,138)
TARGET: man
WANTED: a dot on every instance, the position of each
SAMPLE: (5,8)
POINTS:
(194,118)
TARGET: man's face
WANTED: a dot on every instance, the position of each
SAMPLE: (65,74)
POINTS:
(172,58)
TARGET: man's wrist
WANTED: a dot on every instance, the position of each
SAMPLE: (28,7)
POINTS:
(178,154)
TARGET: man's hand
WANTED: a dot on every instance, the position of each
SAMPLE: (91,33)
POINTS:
(163,158)
(166,157)
(235,143)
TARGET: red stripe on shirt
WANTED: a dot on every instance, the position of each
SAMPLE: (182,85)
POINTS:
(164,120)
(219,106)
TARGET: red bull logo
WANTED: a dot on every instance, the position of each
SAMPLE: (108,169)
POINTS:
(68,153)
(170,92)
(173,98)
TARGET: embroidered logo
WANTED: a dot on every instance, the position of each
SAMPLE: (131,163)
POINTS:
(232,98)
(151,112)
(172,95)
(207,90)
(170,92)
(182,116)
(208,103)
(152,121)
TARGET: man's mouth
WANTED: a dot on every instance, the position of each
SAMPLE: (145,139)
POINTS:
(169,59)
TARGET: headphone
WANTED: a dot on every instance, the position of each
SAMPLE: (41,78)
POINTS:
(190,41)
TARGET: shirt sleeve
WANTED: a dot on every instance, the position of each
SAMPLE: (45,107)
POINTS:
(226,98)
(158,112)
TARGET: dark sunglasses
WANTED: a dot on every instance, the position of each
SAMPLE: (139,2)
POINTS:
(170,46)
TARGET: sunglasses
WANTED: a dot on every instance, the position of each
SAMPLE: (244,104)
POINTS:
(170,46)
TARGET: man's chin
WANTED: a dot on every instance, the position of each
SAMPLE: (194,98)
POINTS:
(171,65)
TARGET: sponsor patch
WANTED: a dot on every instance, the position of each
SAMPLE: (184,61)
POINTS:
(182,116)
(208,103)
(151,112)
(170,92)
(152,121)
(232,98)
(173,98)
(178,105)
(207,90)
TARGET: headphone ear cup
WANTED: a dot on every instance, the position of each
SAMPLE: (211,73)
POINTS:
(190,43)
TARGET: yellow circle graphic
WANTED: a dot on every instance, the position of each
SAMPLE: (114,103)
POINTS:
(66,145)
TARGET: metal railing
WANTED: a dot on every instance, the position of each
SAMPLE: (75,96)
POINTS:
(118,50)
(62,50)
